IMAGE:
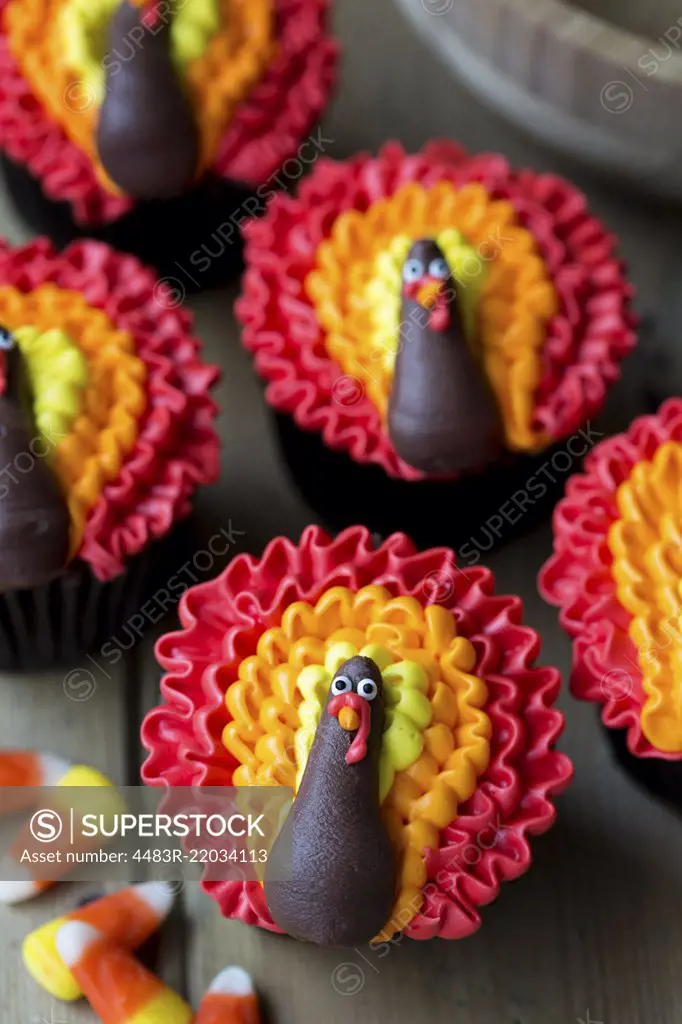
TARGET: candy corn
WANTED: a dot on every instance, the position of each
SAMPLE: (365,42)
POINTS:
(229,1000)
(27,884)
(21,771)
(27,768)
(21,889)
(127,917)
(117,986)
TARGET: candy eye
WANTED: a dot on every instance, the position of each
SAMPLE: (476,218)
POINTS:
(413,270)
(341,684)
(439,268)
(368,689)
(6,339)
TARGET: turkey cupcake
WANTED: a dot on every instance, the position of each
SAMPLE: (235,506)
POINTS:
(399,698)
(106,431)
(435,330)
(157,125)
(615,574)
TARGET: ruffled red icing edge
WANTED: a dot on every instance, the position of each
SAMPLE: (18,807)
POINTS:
(177,448)
(222,621)
(267,128)
(578,578)
(586,340)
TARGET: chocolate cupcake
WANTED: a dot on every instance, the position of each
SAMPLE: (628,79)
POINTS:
(615,574)
(106,431)
(157,125)
(431,327)
(399,698)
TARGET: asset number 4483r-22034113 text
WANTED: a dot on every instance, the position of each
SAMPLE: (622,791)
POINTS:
(201,856)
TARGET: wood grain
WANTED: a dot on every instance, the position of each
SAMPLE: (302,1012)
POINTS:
(593,932)
(39,714)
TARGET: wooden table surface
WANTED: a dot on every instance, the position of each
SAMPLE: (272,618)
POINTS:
(594,931)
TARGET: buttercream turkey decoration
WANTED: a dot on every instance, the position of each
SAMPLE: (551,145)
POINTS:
(343,867)
(412,734)
(545,301)
(442,415)
(111,104)
(91,362)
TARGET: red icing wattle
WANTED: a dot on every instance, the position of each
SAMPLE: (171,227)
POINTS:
(578,578)
(177,448)
(266,129)
(585,343)
(222,621)
(358,748)
(151,13)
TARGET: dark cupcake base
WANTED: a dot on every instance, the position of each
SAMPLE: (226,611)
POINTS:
(473,514)
(76,614)
(194,241)
(662,779)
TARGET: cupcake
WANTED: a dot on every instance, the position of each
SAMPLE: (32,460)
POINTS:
(106,431)
(399,698)
(615,574)
(157,125)
(431,327)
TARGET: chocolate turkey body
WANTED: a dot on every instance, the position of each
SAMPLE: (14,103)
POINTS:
(343,868)
(442,416)
(34,517)
(147,137)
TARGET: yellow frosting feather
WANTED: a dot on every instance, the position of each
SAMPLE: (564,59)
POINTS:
(58,374)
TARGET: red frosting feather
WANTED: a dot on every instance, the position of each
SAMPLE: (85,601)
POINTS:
(578,578)
(585,343)
(222,621)
(177,448)
(266,129)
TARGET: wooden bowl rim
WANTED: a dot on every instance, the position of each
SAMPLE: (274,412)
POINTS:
(587,31)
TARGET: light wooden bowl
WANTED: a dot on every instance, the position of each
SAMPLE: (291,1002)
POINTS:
(609,94)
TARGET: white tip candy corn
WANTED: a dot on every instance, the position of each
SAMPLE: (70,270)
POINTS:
(230,999)
(127,917)
(119,989)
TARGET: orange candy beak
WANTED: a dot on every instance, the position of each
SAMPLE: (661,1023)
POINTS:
(349,719)
(428,293)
